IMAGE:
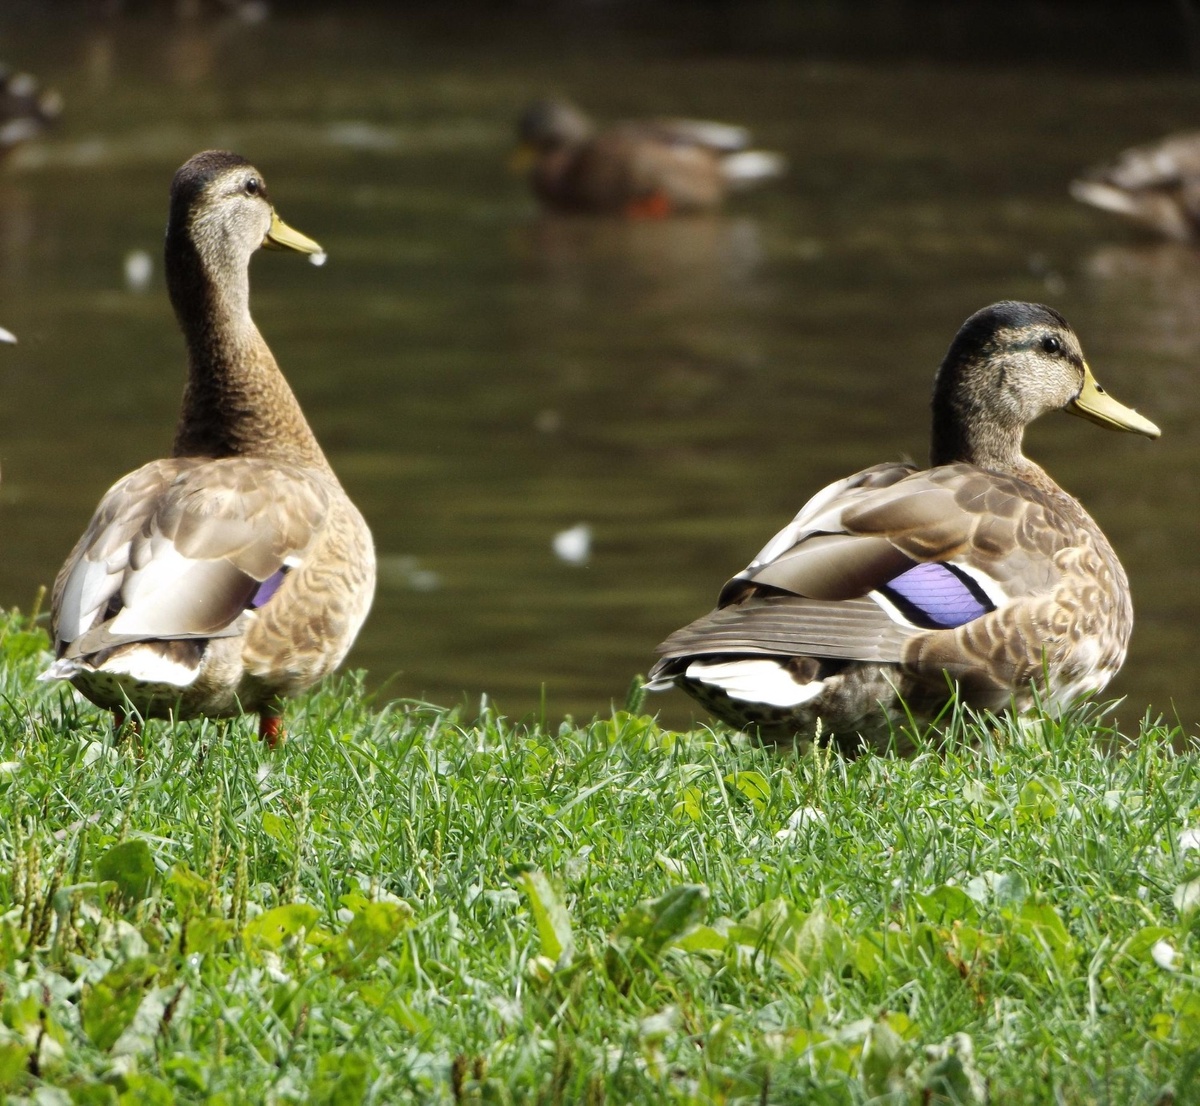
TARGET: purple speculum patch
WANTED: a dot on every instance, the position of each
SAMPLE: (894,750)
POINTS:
(267,588)
(937,596)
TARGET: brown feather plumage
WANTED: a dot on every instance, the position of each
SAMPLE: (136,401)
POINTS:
(646,167)
(1049,612)
(155,607)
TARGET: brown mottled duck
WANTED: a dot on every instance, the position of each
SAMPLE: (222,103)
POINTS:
(236,572)
(896,585)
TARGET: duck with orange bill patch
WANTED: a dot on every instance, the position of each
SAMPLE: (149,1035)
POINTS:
(640,169)
(897,585)
(236,572)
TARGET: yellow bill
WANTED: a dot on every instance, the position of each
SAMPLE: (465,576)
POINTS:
(283,237)
(1094,403)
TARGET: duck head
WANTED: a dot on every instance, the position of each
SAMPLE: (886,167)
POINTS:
(1009,364)
(220,206)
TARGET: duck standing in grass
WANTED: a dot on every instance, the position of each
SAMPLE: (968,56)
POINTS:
(1156,185)
(236,572)
(895,584)
(646,168)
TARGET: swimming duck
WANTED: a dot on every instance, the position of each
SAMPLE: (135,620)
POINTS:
(1157,185)
(896,582)
(236,572)
(647,168)
(25,110)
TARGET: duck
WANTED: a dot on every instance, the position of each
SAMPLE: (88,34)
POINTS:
(235,573)
(25,110)
(640,168)
(1156,185)
(897,588)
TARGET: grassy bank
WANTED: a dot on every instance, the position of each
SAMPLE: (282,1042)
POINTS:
(398,906)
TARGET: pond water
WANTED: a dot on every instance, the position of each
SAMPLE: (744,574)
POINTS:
(484,378)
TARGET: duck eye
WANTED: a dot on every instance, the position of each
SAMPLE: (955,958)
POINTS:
(253,187)
(1051,345)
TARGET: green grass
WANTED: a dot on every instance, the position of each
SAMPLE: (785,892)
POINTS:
(397,907)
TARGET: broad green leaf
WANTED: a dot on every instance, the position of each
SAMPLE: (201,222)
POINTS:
(1186,1007)
(798,943)
(802,1040)
(1039,800)
(190,892)
(276,926)
(947,904)
(369,935)
(970,942)
(277,828)
(130,866)
(407,1018)
(765,921)
(1138,945)
(1187,897)
(14,1059)
(818,941)
(703,939)
(1010,890)
(1160,1025)
(341,1080)
(550,915)
(145,1090)
(93,1094)
(753,785)
(1041,922)
(884,1058)
(691,803)
(109,1005)
(205,935)
(867,956)
(650,926)
(952,1077)
(659,921)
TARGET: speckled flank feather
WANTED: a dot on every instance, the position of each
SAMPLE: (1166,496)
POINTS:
(237,572)
(644,167)
(893,583)
(1157,185)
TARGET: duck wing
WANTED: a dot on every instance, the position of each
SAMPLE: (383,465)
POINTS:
(723,138)
(182,548)
(880,558)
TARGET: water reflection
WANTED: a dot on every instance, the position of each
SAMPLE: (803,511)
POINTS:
(665,265)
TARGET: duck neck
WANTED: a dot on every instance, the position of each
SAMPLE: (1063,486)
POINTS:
(973,435)
(236,401)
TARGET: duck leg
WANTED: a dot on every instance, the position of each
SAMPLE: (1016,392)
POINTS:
(270,729)
(124,723)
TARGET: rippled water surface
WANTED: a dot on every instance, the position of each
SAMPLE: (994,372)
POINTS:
(484,379)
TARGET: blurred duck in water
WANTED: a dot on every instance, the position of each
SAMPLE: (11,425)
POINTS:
(236,572)
(1156,185)
(647,168)
(25,110)
(895,585)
